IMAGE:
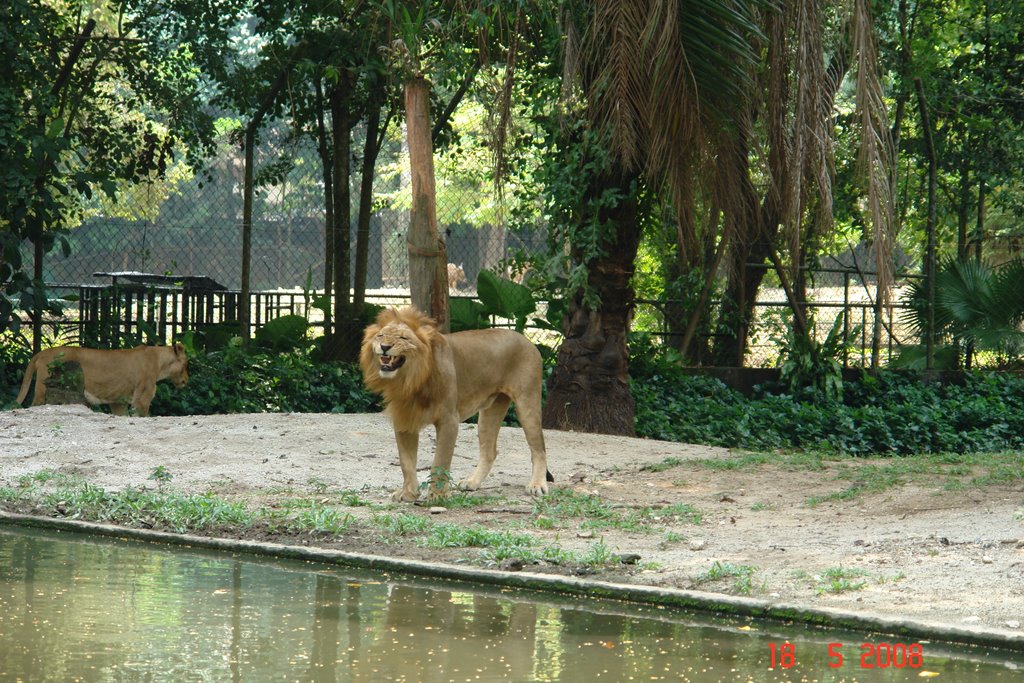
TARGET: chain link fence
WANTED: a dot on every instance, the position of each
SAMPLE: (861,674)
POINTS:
(190,223)
(188,226)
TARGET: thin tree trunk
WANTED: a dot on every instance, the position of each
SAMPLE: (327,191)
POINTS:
(327,164)
(36,225)
(428,260)
(588,390)
(370,150)
(755,225)
(963,206)
(344,342)
(244,312)
(979,225)
(930,224)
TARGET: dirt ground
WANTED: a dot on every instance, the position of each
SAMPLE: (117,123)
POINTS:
(919,551)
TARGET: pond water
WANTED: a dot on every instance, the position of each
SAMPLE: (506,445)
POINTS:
(81,608)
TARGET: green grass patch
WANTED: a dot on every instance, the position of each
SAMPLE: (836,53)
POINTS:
(593,512)
(836,580)
(741,576)
(318,518)
(666,464)
(401,524)
(500,545)
(73,497)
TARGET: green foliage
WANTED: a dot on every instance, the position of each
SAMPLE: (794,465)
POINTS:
(499,297)
(467,314)
(977,306)
(87,107)
(890,413)
(285,333)
(742,576)
(811,368)
(236,381)
(14,357)
(504,298)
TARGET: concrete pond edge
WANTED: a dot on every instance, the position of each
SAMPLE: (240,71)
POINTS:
(695,601)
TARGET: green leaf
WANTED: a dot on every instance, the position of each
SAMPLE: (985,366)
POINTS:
(283,334)
(55,129)
(504,298)
(467,314)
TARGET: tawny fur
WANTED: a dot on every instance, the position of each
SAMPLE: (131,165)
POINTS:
(456,276)
(119,377)
(444,380)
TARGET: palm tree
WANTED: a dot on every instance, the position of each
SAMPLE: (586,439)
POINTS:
(658,82)
(978,307)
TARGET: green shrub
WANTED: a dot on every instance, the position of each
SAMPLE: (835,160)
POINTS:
(888,413)
(237,381)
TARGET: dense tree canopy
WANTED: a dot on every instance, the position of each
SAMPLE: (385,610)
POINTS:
(694,150)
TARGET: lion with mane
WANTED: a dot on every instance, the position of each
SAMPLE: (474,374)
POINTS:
(430,378)
(120,377)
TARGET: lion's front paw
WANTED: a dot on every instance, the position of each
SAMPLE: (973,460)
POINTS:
(404,496)
(535,489)
(438,495)
(468,484)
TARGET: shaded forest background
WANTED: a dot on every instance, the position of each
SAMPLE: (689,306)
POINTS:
(658,166)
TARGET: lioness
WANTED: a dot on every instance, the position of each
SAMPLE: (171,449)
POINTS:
(456,275)
(427,377)
(120,377)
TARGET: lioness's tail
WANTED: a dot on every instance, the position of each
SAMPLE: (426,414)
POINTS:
(27,379)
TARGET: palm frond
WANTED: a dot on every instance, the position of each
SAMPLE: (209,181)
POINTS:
(619,91)
(876,153)
(1008,290)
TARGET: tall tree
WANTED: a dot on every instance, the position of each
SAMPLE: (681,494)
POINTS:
(87,103)
(653,79)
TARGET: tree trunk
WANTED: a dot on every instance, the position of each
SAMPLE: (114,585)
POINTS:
(370,150)
(327,163)
(344,343)
(589,388)
(930,225)
(754,224)
(428,260)
(244,307)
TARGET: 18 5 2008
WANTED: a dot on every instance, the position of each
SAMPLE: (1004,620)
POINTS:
(872,655)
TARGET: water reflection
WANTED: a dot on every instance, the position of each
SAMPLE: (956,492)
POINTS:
(77,608)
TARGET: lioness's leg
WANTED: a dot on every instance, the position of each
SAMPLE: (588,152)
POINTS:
(142,399)
(408,444)
(488,425)
(440,471)
(39,395)
(528,411)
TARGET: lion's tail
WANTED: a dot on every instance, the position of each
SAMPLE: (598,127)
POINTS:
(26,381)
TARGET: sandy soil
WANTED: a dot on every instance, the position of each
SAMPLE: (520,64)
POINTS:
(921,552)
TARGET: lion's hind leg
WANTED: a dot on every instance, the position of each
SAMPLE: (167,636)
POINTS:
(528,412)
(42,374)
(488,425)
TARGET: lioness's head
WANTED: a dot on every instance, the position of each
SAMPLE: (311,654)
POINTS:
(398,350)
(176,369)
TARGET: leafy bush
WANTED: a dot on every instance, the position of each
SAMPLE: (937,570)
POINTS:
(14,357)
(237,381)
(888,413)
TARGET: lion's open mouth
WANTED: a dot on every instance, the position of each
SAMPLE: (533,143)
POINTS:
(391,363)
